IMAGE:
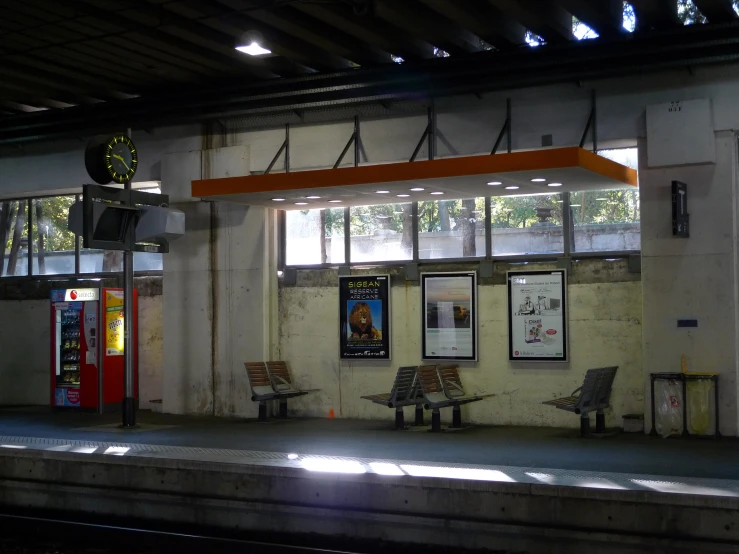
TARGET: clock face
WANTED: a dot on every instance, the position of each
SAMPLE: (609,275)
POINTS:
(121,158)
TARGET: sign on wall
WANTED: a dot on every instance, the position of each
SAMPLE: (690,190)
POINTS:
(449,311)
(114,323)
(364,315)
(537,316)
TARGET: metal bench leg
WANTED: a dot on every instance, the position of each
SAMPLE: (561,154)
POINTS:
(584,425)
(399,418)
(262,410)
(456,417)
(419,415)
(600,421)
(435,421)
(283,409)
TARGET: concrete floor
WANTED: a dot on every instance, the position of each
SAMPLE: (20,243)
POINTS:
(510,446)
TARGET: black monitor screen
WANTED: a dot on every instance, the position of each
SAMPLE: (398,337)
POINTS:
(112,224)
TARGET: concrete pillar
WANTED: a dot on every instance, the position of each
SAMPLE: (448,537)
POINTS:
(692,278)
(217,281)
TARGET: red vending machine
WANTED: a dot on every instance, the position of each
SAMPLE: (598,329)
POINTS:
(87,348)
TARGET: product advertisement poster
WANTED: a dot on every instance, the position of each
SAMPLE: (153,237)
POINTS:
(364,315)
(114,323)
(449,311)
(67,397)
(537,316)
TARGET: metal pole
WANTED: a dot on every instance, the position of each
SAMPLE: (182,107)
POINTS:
(129,400)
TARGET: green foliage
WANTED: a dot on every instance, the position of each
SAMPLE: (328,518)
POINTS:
(53,224)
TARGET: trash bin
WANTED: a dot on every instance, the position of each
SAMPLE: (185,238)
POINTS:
(700,393)
(668,407)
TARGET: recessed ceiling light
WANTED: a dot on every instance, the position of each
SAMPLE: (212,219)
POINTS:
(313,197)
(538,180)
(417,189)
(253,49)
(301,203)
(278,200)
(554,184)
(494,183)
(382,191)
(334,201)
(403,195)
(437,193)
(512,187)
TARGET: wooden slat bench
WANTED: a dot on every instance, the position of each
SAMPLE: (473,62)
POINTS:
(593,395)
(271,381)
(442,387)
(406,391)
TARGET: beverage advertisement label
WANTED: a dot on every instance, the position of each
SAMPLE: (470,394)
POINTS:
(114,323)
(449,312)
(364,316)
(67,397)
(537,323)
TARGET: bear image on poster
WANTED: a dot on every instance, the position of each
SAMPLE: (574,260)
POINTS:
(360,323)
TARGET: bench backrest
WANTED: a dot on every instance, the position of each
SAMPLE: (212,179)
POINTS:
(450,380)
(431,384)
(589,390)
(605,385)
(259,378)
(406,386)
(279,375)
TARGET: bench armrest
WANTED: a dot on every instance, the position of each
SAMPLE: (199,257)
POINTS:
(576,392)
(455,385)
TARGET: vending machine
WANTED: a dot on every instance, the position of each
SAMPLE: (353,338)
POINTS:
(87,348)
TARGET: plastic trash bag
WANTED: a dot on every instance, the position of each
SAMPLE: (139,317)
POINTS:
(668,407)
(700,401)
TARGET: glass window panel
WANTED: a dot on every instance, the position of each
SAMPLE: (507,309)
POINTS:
(606,221)
(381,233)
(529,224)
(314,236)
(93,260)
(14,238)
(451,228)
(148,261)
(53,242)
(625,156)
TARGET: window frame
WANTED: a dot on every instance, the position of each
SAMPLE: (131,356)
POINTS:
(568,253)
(77,275)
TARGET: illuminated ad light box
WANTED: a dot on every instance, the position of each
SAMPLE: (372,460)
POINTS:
(364,315)
(537,316)
(449,312)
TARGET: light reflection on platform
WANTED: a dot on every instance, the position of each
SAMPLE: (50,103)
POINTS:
(390,469)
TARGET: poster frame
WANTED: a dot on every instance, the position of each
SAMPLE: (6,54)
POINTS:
(565,324)
(386,327)
(424,277)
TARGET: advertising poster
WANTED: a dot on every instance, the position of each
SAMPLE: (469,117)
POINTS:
(449,310)
(537,316)
(114,323)
(364,315)
(67,397)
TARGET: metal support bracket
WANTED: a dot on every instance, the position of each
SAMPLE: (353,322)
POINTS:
(284,148)
(411,272)
(345,270)
(634,263)
(428,134)
(564,263)
(487,269)
(592,124)
(354,139)
(505,131)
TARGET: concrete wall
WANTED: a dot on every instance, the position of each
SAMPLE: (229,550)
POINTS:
(25,335)
(604,325)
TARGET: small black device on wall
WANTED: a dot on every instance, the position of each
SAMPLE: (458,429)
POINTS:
(680,216)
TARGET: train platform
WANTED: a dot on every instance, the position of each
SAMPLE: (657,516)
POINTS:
(512,488)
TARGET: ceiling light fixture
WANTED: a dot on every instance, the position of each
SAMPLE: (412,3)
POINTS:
(254,49)
(417,189)
(575,205)
(334,201)
(382,191)
(601,199)
(403,195)
(301,203)
(278,200)
(512,187)
(495,183)
(437,193)
(313,197)
(538,180)
(554,184)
